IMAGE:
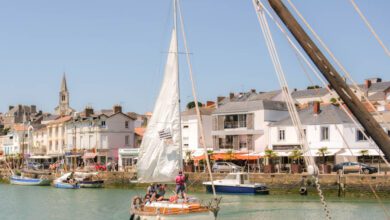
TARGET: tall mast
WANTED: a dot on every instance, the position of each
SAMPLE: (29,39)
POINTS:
(371,126)
(178,81)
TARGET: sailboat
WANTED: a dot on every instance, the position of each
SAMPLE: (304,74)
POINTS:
(160,156)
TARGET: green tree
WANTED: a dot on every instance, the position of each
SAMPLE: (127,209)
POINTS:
(270,155)
(323,151)
(296,155)
(364,153)
(191,105)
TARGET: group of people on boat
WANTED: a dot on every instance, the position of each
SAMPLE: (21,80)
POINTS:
(156,192)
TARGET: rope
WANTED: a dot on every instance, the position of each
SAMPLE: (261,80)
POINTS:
(346,73)
(259,8)
(369,26)
(196,99)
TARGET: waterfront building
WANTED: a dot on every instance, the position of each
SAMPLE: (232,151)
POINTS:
(57,136)
(99,135)
(16,141)
(191,137)
(64,100)
(243,125)
(324,126)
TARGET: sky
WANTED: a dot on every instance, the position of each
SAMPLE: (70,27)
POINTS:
(113,52)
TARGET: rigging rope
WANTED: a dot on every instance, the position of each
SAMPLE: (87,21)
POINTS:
(196,99)
(259,8)
(369,26)
(346,73)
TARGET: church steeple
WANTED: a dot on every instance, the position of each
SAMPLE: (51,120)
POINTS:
(64,87)
(63,107)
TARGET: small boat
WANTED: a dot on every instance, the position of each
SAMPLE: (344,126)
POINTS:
(64,182)
(237,183)
(26,181)
(92,184)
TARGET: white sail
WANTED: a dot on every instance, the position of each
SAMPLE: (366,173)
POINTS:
(159,156)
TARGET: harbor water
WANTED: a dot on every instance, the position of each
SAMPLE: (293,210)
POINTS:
(23,202)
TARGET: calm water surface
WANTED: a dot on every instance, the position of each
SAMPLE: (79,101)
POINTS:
(20,202)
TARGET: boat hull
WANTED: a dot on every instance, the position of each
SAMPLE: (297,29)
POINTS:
(23,181)
(195,216)
(66,186)
(260,190)
(92,184)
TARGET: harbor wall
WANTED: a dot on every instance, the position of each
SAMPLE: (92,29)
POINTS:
(281,181)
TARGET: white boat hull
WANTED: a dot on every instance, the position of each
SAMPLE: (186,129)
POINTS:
(194,216)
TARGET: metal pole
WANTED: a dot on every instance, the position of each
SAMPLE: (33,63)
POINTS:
(178,82)
(371,126)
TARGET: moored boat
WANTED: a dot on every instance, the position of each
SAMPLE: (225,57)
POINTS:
(26,181)
(88,180)
(237,183)
(67,181)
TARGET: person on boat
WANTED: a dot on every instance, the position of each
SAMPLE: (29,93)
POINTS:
(161,192)
(152,191)
(181,185)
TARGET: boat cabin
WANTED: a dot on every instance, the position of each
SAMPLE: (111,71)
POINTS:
(236,178)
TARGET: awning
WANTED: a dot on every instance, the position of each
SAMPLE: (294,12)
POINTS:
(40,157)
(357,152)
(314,152)
(250,156)
(89,155)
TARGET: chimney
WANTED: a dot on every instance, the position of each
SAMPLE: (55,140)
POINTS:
(10,107)
(253,90)
(316,107)
(367,84)
(33,108)
(209,103)
(117,109)
(220,98)
(231,96)
(88,111)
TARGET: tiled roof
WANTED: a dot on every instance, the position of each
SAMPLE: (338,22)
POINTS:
(329,114)
(376,87)
(247,106)
(61,120)
(139,131)
(20,127)
(378,96)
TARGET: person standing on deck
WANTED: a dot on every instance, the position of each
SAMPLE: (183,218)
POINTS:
(180,185)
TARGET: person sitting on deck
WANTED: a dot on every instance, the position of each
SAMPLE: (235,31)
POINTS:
(180,185)
(161,192)
(152,191)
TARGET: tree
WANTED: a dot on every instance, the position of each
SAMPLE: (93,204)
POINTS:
(313,87)
(270,155)
(191,105)
(364,153)
(296,155)
(323,151)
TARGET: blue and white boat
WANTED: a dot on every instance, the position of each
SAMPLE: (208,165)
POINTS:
(26,181)
(237,183)
(66,181)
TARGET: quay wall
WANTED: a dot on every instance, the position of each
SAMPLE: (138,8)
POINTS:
(280,181)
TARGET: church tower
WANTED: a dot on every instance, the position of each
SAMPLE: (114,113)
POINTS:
(64,108)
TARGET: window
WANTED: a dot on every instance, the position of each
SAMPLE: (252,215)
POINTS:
(103,123)
(235,121)
(360,136)
(324,133)
(185,126)
(388,132)
(185,145)
(282,135)
(126,124)
(127,140)
(63,98)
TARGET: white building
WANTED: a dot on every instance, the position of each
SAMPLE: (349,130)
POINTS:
(100,134)
(191,136)
(243,125)
(16,141)
(324,126)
